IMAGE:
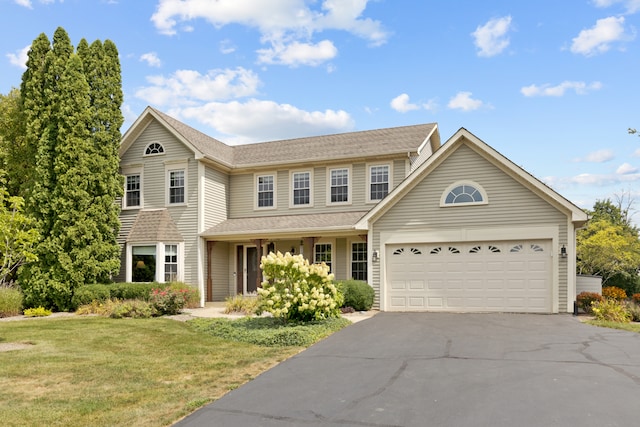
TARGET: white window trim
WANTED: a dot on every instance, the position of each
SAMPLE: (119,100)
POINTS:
(368,186)
(481,190)
(291,174)
(144,152)
(174,167)
(350,242)
(128,171)
(332,243)
(349,185)
(275,191)
(159,260)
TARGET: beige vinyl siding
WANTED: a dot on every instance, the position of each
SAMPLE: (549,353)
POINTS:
(426,152)
(340,259)
(510,205)
(127,218)
(216,197)
(220,263)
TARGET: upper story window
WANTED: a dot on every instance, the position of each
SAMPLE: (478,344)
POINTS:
(153,149)
(379,182)
(265,191)
(464,193)
(339,185)
(301,185)
(133,193)
(176,186)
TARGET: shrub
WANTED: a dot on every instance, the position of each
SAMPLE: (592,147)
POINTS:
(10,301)
(89,293)
(634,311)
(295,290)
(357,294)
(192,296)
(611,310)
(37,312)
(614,292)
(241,304)
(635,298)
(126,291)
(131,308)
(584,300)
(168,301)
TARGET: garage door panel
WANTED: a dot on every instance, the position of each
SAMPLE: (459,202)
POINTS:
(478,276)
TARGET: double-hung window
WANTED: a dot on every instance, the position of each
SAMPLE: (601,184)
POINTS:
(176,187)
(301,183)
(359,261)
(378,182)
(132,191)
(170,263)
(339,185)
(323,254)
(265,191)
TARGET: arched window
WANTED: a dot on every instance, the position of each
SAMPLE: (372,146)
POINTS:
(153,149)
(464,193)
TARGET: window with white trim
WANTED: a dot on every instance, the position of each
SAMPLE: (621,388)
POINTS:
(463,193)
(322,253)
(379,178)
(339,185)
(133,191)
(154,149)
(265,191)
(359,261)
(301,185)
(176,186)
(170,263)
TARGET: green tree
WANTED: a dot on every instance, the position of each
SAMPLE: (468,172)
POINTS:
(13,158)
(76,170)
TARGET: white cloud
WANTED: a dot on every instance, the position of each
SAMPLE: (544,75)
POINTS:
(19,59)
(600,156)
(227,47)
(581,88)
(298,53)
(598,39)
(491,38)
(259,120)
(636,153)
(186,87)
(463,101)
(283,23)
(626,168)
(401,104)
(25,3)
(632,6)
(151,58)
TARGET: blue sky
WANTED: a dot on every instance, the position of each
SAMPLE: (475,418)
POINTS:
(551,85)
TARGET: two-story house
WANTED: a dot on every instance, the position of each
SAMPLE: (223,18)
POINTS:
(429,227)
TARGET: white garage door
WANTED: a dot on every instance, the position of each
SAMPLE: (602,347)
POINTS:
(482,276)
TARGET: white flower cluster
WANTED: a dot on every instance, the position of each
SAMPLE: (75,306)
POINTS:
(296,290)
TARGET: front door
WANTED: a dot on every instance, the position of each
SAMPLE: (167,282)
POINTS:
(248,276)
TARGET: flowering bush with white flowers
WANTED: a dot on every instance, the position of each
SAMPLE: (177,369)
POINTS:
(296,290)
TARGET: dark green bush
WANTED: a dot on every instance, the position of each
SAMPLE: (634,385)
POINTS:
(125,291)
(10,301)
(88,293)
(357,294)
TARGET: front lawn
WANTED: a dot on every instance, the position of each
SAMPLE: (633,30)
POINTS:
(631,327)
(119,372)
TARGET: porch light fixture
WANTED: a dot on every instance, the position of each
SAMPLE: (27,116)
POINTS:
(375,257)
(563,251)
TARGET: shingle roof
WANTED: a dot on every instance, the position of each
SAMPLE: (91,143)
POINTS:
(378,142)
(272,225)
(154,226)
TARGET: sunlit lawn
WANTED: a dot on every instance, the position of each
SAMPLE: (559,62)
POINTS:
(94,371)
(632,327)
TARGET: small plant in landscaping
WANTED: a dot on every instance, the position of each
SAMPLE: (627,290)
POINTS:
(584,300)
(611,310)
(168,301)
(132,308)
(357,294)
(191,294)
(37,312)
(634,311)
(295,290)
(635,298)
(614,292)
(241,304)
(10,301)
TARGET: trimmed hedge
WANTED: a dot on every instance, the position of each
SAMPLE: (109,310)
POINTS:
(357,294)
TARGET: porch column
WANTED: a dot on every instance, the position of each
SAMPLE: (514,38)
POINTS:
(309,243)
(209,296)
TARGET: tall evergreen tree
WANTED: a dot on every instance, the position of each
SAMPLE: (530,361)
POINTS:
(77,178)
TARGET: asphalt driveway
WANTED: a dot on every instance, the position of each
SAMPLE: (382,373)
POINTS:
(441,369)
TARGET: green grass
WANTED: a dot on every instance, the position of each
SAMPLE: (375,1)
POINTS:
(119,372)
(631,327)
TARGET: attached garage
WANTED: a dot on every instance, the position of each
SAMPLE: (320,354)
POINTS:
(505,276)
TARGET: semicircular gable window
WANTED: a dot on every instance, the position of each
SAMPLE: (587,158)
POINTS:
(464,193)
(153,149)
